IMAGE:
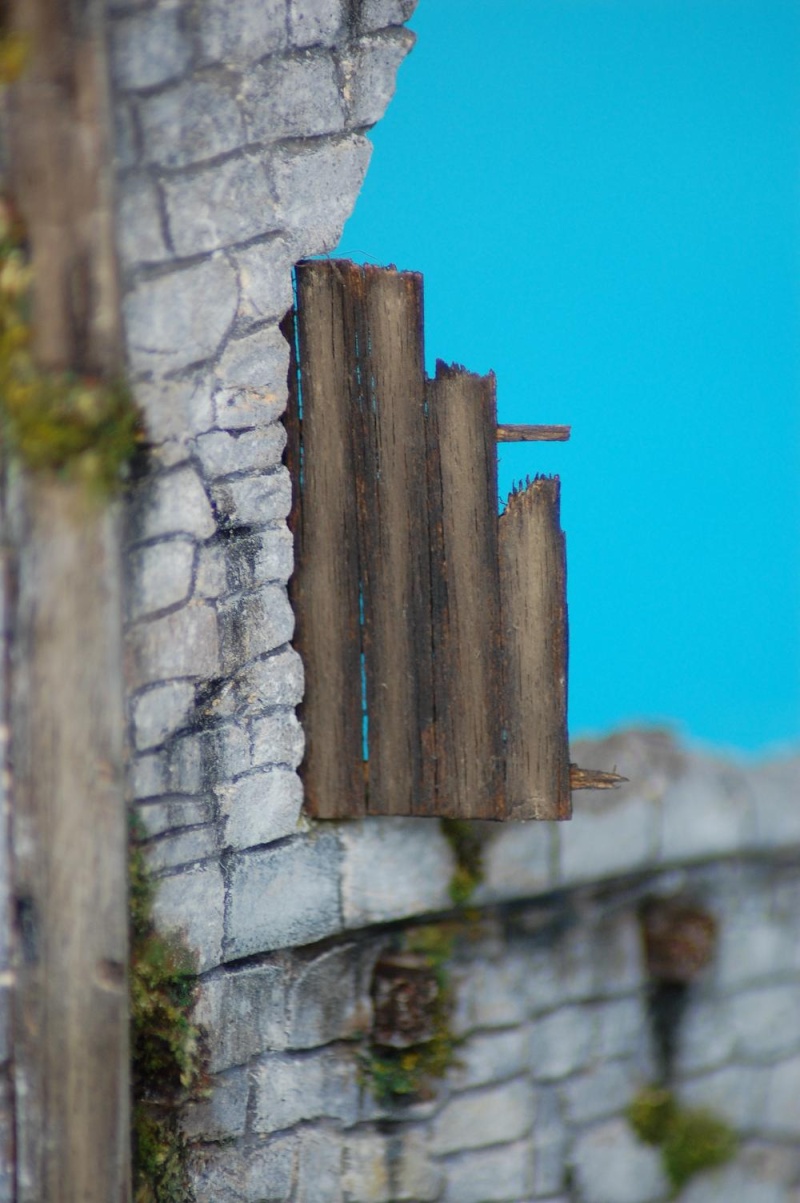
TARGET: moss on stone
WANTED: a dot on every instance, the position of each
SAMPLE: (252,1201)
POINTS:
(56,422)
(166,1046)
(690,1139)
(463,838)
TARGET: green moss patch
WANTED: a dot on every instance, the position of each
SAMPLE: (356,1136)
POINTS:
(690,1139)
(72,426)
(166,1047)
(467,846)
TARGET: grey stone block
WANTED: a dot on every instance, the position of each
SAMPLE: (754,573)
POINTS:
(175,503)
(365,1168)
(316,189)
(211,578)
(257,1172)
(490,1057)
(370,67)
(773,788)
(500,1175)
(330,999)
(293,98)
(197,120)
(253,624)
(276,681)
(484,1117)
(393,868)
(147,776)
(148,48)
(181,644)
(731,1182)
(255,362)
(223,453)
(606,1089)
(265,281)
(706,812)
(221,1115)
(139,234)
(286,896)
(243,1014)
(563,971)
(377,14)
(315,22)
(191,904)
(246,559)
(738,1093)
(160,712)
(617,956)
(561,1043)
(277,739)
(518,859)
(707,1036)
(766,1021)
(243,32)
(756,941)
(490,994)
(221,205)
(240,408)
(160,575)
(290,1089)
(275,556)
(175,410)
(173,813)
(125,149)
(319,1170)
(549,1143)
(180,318)
(608,838)
(181,848)
(415,1177)
(622,1030)
(261,808)
(610,1164)
(253,500)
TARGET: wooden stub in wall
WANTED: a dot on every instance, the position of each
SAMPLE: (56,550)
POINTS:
(466,594)
(533,587)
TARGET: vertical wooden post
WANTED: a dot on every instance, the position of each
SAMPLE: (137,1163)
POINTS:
(467,659)
(68,814)
(533,590)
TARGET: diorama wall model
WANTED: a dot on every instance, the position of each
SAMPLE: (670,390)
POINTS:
(257,598)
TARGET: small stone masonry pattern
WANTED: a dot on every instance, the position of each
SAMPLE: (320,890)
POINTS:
(241,147)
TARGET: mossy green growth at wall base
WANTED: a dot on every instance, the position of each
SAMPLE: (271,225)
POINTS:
(690,1139)
(166,1047)
(71,426)
(463,838)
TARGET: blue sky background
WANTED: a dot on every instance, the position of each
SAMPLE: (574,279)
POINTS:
(604,199)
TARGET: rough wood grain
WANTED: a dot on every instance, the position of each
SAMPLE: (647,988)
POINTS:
(507,433)
(325,589)
(395,558)
(462,414)
(69,852)
(533,591)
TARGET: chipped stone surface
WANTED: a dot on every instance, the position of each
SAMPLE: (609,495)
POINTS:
(261,808)
(610,1164)
(190,904)
(393,868)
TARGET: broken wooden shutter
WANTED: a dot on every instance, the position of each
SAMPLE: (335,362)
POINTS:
(434,633)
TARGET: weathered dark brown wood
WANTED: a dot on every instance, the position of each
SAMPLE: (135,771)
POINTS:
(533,590)
(326,587)
(467,664)
(395,559)
(69,851)
(68,823)
(533,434)
(60,169)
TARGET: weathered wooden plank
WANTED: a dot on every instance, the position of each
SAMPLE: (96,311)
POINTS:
(465,582)
(68,828)
(510,433)
(395,560)
(69,851)
(534,608)
(325,590)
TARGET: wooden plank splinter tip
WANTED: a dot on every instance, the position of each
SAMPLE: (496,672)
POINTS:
(593,779)
(533,434)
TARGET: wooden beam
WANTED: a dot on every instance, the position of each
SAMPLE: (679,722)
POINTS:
(68,819)
(533,434)
(533,591)
(593,779)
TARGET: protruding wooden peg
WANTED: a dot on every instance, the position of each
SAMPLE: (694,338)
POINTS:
(533,434)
